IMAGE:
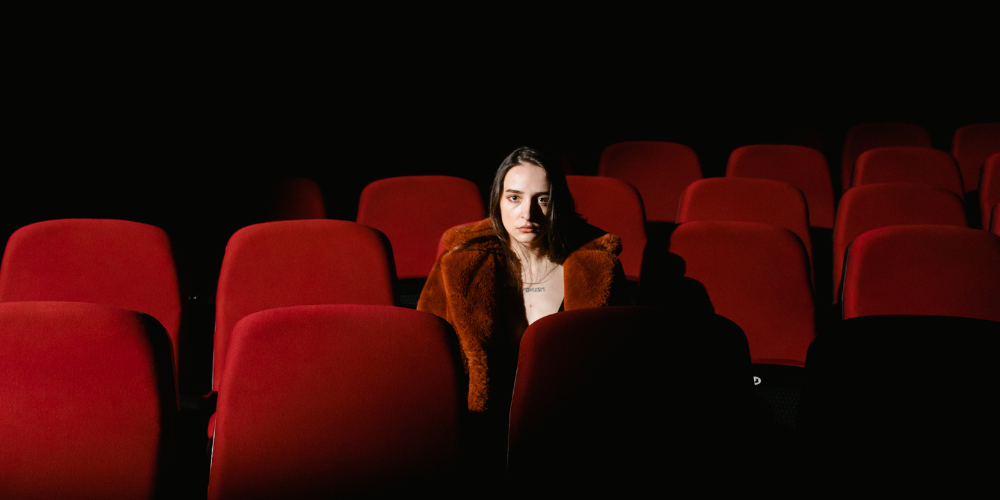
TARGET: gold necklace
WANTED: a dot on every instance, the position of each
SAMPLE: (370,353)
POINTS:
(544,277)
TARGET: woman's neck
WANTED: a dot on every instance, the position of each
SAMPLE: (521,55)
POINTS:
(530,256)
(536,263)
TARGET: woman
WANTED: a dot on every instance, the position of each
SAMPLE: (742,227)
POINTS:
(532,257)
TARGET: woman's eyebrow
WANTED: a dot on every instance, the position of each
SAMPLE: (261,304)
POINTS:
(513,191)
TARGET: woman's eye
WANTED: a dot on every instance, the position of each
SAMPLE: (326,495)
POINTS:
(513,198)
(543,201)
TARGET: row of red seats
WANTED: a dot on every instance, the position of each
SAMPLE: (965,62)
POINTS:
(755,274)
(348,400)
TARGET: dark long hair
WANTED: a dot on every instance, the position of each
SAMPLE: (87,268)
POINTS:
(562,217)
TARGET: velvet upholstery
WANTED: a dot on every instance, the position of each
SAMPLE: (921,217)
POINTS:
(466,289)
(338,401)
(88,402)
(995,225)
(800,166)
(294,198)
(616,206)
(757,275)
(747,200)
(659,170)
(865,136)
(286,263)
(989,188)
(971,145)
(104,261)
(923,269)
(606,400)
(878,205)
(414,211)
(909,165)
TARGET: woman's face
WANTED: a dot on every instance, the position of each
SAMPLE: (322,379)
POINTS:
(524,204)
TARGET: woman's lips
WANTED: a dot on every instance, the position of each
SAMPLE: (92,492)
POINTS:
(526,229)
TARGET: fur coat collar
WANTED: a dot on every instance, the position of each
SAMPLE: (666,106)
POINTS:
(465,287)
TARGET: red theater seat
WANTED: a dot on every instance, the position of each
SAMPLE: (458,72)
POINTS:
(904,397)
(995,225)
(971,145)
(659,170)
(286,263)
(747,200)
(758,276)
(114,262)
(338,401)
(861,138)
(908,165)
(413,212)
(295,198)
(989,187)
(581,420)
(923,270)
(802,167)
(616,207)
(879,205)
(88,402)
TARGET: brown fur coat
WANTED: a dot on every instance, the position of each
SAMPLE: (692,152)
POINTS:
(466,288)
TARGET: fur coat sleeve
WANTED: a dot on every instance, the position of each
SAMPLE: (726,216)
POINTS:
(464,288)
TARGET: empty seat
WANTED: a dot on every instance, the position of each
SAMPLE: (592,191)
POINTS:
(756,275)
(294,198)
(802,167)
(659,170)
(616,207)
(413,212)
(337,401)
(989,187)
(580,418)
(878,205)
(971,145)
(923,269)
(114,262)
(908,165)
(88,402)
(861,138)
(903,397)
(286,263)
(747,200)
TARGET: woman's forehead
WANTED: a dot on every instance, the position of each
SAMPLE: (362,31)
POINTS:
(526,178)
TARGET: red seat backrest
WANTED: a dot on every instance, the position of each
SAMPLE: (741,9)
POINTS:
(659,170)
(758,276)
(802,167)
(865,136)
(413,212)
(295,198)
(989,187)
(971,145)
(923,270)
(286,263)
(616,207)
(879,205)
(104,261)
(88,402)
(336,400)
(909,165)
(747,200)
(995,225)
(576,418)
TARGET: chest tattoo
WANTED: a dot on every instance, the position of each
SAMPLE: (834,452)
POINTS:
(535,289)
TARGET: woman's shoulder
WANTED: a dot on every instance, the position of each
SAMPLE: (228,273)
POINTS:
(474,235)
(590,237)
